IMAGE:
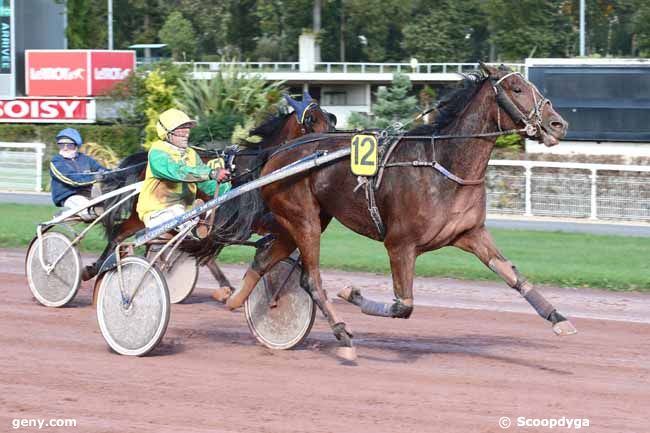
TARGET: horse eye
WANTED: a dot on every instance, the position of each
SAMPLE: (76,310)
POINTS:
(516,89)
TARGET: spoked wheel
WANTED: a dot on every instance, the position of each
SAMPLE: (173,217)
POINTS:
(181,274)
(279,312)
(54,281)
(133,321)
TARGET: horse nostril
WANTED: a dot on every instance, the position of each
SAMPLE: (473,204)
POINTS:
(557,125)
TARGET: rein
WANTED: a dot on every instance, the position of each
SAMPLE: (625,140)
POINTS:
(532,125)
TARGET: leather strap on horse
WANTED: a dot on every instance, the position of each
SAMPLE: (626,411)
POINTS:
(368,185)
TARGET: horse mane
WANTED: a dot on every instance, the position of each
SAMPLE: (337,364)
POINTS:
(112,221)
(450,107)
(270,126)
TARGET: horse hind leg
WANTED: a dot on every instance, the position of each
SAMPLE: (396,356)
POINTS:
(402,263)
(265,258)
(480,243)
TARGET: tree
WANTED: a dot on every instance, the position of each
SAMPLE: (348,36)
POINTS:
(179,35)
(521,28)
(443,34)
(232,100)
(641,28)
(86,24)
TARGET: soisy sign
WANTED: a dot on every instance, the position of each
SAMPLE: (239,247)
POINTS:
(363,158)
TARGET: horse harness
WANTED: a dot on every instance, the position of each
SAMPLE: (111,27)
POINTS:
(388,143)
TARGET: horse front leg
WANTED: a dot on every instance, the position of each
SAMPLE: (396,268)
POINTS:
(402,265)
(480,243)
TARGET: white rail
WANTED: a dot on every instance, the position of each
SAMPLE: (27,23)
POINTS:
(21,166)
(344,67)
(577,190)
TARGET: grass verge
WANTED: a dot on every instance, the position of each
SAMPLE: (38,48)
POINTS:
(563,259)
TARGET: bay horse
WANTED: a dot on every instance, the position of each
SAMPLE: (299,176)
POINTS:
(433,195)
(244,163)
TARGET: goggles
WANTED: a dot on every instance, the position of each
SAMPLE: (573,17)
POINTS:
(66,145)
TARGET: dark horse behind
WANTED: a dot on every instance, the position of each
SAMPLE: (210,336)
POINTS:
(432,195)
(236,219)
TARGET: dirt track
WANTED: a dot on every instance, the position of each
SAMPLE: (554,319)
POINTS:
(444,370)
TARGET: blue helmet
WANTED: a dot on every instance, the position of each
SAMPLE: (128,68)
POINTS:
(72,134)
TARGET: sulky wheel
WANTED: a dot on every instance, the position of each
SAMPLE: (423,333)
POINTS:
(54,281)
(279,312)
(180,274)
(134,321)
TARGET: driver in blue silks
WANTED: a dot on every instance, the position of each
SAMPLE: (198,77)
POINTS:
(73,174)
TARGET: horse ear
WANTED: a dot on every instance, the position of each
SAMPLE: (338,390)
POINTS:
(332,118)
(489,70)
(306,97)
(290,101)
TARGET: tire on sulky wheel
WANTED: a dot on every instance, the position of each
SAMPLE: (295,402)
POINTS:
(133,322)
(284,322)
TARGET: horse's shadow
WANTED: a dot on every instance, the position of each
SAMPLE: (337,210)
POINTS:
(404,349)
(411,349)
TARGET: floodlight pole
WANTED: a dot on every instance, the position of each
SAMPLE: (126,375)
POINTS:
(582,28)
(110,24)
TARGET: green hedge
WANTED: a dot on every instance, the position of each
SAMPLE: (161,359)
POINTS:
(123,139)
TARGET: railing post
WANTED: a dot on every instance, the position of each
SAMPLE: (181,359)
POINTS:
(444,68)
(594,198)
(39,167)
(528,193)
(363,68)
(381,68)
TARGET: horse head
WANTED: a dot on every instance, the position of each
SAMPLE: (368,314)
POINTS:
(525,107)
(310,116)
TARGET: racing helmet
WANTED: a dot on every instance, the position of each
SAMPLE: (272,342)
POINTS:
(170,120)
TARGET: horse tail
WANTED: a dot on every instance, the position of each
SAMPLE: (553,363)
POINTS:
(234,222)
(133,169)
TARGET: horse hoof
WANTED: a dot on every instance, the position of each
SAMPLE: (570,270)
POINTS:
(346,293)
(222,294)
(564,328)
(347,353)
(351,295)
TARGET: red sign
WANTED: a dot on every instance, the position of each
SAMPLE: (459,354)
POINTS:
(57,73)
(109,68)
(75,72)
(47,110)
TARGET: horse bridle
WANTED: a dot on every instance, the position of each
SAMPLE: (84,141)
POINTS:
(307,121)
(533,121)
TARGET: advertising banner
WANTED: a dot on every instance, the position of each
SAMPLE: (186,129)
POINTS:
(109,68)
(57,73)
(43,110)
(75,72)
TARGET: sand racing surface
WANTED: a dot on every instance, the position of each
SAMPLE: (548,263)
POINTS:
(471,354)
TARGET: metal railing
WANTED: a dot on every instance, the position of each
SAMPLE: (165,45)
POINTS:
(21,166)
(574,190)
(343,67)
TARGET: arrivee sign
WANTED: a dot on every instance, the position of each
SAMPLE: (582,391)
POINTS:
(42,110)
(75,72)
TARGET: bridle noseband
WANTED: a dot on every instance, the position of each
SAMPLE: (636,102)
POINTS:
(307,121)
(533,122)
